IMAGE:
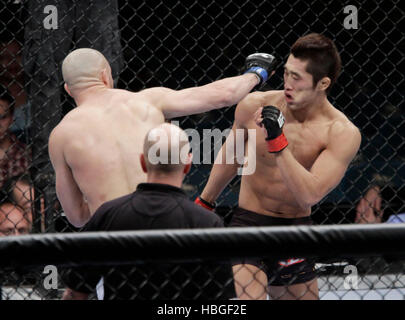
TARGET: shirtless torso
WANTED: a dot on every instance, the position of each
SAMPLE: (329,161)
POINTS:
(318,154)
(265,191)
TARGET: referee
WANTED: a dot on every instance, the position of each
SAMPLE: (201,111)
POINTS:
(158,204)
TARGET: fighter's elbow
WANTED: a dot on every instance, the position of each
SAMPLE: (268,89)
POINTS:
(77,220)
(77,223)
(305,205)
(307,201)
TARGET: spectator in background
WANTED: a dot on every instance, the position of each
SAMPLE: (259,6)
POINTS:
(369,209)
(19,190)
(13,220)
(380,203)
(12,78)
(14,155)
(157,204)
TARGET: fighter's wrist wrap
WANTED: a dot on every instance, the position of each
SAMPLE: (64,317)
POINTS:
(273,122)
(205,204)
(277,144)
(262,65)
(260,73)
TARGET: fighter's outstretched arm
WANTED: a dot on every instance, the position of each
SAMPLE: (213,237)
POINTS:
(215,95)
(67,190)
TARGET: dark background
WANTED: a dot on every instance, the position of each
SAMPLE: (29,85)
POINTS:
(186,44)
(179,44)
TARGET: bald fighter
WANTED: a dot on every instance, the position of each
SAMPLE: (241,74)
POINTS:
(303,149)
(95,147)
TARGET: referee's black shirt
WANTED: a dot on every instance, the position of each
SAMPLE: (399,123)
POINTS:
(152,206)
(155,206)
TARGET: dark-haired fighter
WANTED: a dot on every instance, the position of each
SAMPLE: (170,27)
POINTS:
(303,150)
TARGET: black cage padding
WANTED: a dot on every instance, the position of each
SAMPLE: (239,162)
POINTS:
(121,247)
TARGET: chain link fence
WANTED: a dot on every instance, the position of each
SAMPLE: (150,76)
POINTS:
(348,279)
(182,44)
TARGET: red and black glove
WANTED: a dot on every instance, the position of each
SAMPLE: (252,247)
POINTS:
(273,122)
(205,204)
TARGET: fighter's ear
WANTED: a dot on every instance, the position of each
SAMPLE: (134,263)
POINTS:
(324,83)
(143,163)
(67,89)
(105,77)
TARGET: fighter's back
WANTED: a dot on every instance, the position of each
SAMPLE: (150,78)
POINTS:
(103,140)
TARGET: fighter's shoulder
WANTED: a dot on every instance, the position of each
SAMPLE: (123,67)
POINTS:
(58,132)
(70,119)
(153,94)
(56,142)
(342,129)
(148,99)
(253,101)
(68,127)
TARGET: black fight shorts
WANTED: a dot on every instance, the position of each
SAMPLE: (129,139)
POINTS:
(279,273)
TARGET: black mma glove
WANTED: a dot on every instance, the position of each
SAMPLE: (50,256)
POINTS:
(261,64)
(273,121)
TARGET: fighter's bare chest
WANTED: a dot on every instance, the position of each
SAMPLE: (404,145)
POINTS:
(306,142)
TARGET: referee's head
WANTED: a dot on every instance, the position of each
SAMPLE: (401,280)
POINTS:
(166,151)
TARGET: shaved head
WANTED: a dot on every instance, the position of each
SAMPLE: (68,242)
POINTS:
(84,67)
(166,148)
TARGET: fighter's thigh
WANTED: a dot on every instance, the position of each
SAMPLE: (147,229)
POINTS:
(250,282)
(301,291)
